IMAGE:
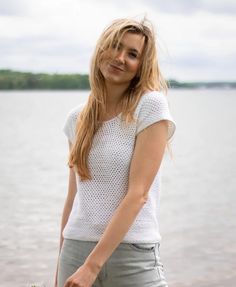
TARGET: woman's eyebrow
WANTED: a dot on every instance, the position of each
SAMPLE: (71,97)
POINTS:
(134,50)
(131,49)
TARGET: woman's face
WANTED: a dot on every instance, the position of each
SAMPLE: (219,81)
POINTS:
(120,64)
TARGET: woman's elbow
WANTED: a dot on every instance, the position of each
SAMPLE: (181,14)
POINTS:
(138,198)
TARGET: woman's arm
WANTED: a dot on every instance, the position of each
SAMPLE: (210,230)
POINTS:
(72,189)
(148,153)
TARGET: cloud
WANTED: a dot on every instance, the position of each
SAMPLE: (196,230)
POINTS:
(193,6)
(60,36)
(40,54)
(14,8)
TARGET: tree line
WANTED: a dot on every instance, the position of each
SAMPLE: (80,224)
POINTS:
(15,80)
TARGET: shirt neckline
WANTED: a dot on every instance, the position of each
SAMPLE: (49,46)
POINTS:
(112,119)
(119,115)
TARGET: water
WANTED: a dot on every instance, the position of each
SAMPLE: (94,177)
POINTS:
(197,217)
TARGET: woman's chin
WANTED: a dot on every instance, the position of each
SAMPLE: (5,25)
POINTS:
(113,80)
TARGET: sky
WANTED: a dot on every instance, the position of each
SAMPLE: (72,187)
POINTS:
(196,39)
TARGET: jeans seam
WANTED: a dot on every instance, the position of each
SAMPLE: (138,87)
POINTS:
(105,271)
(155,257)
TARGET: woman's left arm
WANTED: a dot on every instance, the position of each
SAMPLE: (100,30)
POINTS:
(148,153)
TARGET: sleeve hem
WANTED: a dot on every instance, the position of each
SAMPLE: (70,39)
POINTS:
(171,126)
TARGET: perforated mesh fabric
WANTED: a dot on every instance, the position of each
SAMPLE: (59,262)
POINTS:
(109,160)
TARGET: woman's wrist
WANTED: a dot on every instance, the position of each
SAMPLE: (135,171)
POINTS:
(93,265)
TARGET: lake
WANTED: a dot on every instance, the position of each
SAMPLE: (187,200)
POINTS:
(197,216)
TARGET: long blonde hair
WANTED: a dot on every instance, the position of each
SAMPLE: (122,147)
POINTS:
(148,78)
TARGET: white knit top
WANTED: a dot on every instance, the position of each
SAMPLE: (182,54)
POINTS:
(109,160)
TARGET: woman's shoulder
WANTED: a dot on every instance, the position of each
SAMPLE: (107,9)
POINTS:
(152,94)
(152,98)
(74,112)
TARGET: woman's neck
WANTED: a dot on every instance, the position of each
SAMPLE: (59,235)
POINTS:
(114,94)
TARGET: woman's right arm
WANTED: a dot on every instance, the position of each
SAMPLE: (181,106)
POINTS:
(72,189)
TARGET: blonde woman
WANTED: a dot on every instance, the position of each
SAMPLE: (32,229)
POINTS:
(109,232)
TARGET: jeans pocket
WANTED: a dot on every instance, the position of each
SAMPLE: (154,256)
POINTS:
(143,247)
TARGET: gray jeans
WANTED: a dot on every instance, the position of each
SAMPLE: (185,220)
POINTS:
(130,265)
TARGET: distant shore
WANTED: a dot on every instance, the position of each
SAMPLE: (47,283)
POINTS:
(15,80)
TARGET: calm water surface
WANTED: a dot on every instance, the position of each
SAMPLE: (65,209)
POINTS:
(197,217)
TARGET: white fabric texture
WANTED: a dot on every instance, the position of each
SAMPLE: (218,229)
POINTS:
(109,160)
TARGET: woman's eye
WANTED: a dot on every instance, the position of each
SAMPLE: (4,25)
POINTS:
(133,55)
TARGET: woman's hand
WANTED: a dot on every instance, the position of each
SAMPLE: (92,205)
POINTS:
(83,277)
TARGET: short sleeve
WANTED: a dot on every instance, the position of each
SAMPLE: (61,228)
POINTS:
(69,125)
(154,108)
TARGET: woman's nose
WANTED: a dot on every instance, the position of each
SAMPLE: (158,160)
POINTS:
(120,56)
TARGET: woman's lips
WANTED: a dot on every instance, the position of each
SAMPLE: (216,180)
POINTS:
(116,68)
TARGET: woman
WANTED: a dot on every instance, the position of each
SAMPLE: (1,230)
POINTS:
(117,141)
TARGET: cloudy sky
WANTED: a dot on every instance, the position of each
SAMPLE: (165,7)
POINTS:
(196,38)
